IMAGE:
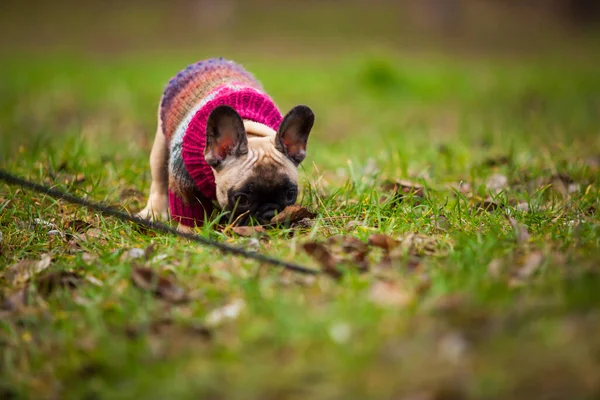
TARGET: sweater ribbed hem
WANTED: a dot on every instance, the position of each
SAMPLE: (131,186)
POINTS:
(193,214)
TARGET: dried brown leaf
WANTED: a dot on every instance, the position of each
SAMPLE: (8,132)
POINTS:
(78,225)
(463,187)
(148,279)
(496,161)
(496,183)
(22,271)
(320,253)
(292,214)
(249,231)
(44,285)
(403,188)
(69,179)
(418,244)
(227,312)
(130,192)
(304,223)
(390,294)
(49,282)
(495,267)
(487,204)
(349,244)
(521,232)
(94,233)
(16,299)
(383,241)
(148,251)
(530,264)
(353,247)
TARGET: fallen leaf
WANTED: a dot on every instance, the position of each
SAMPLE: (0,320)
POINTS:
(453,346)
(462,187)
(304,223)
(450,304)
(320,253)
(496,161)
(292,214)
(496,183)
(69,178)
(167,326)
(593,162)
(44,286)
(130,192)
(88,258)
(521,233)
(135,253)
(94,281)
(354,224)
(564,184)
(349,244)
(383,241)
(148,279)
(441,222)
(148,251)
(78,225)
(403,189)
(417,244)
(495,267)
(49,282)
(132,254)
(94,233)
(390,294)
(487,204)
(228,312)
(22,271)
(16,299)
(529,266)
(524,207)
(249,231)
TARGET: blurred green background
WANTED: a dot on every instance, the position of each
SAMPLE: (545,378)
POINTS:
(368,68)
(436,91)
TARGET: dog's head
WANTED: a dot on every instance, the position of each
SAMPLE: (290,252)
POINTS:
(256,175)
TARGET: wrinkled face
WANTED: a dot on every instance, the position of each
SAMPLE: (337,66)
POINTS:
(256,175)
(265,193)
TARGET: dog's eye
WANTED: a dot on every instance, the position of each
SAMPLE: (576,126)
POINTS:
(242,200)
(291,194)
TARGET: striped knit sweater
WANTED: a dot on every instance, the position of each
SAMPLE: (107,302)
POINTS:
(185,107)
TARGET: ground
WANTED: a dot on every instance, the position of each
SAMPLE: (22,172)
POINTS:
(491,289)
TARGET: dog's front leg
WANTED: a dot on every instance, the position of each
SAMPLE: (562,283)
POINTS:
(158,201)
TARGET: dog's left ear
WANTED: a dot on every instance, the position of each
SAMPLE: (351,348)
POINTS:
(293,132)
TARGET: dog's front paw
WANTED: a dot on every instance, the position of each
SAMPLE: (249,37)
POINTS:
(156,210)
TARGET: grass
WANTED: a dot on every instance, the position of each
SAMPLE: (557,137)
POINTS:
(464,319)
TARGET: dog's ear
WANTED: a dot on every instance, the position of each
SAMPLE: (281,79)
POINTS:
(293,132)
(225,136)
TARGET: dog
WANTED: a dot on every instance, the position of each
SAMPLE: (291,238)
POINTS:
(222,142)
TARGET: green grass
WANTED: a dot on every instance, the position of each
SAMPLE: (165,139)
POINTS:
(464,329)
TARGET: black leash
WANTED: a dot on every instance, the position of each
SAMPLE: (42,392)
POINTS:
(158,226)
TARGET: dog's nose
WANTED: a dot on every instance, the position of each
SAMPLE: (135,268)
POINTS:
(268,211)
(268,214)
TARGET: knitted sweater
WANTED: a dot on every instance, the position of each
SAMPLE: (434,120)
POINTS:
(187,102)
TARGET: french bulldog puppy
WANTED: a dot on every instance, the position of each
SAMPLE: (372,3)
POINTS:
(222,141)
